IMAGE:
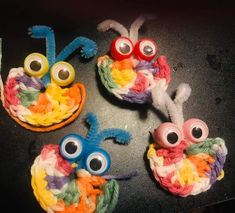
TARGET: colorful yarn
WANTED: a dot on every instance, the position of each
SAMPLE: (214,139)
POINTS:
(64,180)
(186,162)
(57,191)
(44,100)
(189,174)
(131,76)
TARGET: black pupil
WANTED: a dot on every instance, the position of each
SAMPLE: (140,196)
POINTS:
(63,74)
(71,147)
(197,132)
(124,48)
(172,137)
(35,65)
(95,164)
(148,50)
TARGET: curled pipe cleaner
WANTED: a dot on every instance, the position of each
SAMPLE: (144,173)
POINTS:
(183,159)
(41,95)
(88,46)
(130,72)
(69,177)
(45,32)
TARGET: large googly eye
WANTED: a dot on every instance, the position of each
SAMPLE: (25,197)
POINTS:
(98,162)
(72,147)
(121,48)
(145,49)
(36,65)
(167,135)
(62,73)
(195,130)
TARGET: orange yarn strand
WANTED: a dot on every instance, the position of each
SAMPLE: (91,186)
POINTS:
(201,163)
(89,189)
(123,65)
(82,91)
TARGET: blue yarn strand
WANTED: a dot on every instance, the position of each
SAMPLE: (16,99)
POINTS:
(89,48)
(41,31)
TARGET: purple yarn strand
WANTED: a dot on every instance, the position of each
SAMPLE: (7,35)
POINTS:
(216,167)
(140,98)
(55,182)
(30,82)
(121,177)
(145,65)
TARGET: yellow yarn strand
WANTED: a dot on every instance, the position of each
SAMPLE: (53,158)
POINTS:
(221,176)
(38,182)
(123,77)
(60,110)
(151,151)
(187,175)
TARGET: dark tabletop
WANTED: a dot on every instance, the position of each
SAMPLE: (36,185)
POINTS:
(199,43)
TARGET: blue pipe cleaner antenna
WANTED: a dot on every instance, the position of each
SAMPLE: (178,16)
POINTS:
(120,136)
(41,31)
(88,47)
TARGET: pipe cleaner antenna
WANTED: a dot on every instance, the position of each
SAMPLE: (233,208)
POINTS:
(91,119)
(88,48)
(136,25)
(175,109)
(134,29)
(112,24)
(120,136)
(41,31)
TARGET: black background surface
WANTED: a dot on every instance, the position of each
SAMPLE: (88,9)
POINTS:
(198,40)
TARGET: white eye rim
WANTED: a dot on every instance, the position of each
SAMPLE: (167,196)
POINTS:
(162,132)
(78,151)
(119,41)
(170,130)
(104,164)
(203,126)
(145,43)
(61,65)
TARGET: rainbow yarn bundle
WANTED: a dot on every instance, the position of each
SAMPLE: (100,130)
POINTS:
(183,159)
(40,96)
(67,177)
(130,73)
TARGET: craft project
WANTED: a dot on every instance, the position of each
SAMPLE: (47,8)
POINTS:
(40,96)
(183,159)
(67,177)
(130,72)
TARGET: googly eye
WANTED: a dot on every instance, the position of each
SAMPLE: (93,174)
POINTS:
(195,130)
(62,73)
(145,49)
(36,65)
(98,162)
(167,135)
(72,147)
(121,48)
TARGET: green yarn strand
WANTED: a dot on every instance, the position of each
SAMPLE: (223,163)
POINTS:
(204,147)
(70,195)
(28,96)
(108,200)
(105,74)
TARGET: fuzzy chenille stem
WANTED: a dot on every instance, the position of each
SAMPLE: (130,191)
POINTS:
(182,94)
(162,100)
(134,29)
(112,24)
